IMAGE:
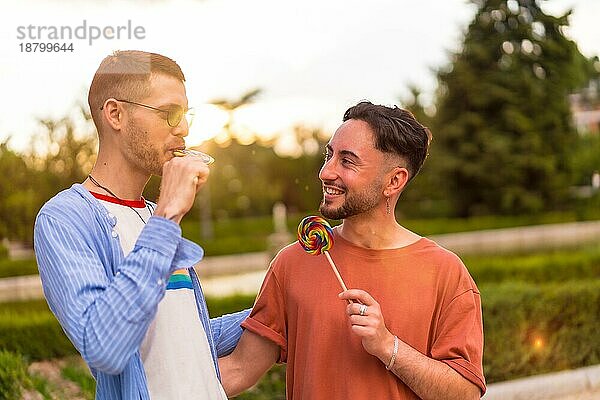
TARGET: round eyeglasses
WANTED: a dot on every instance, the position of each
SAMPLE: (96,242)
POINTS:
(175,113)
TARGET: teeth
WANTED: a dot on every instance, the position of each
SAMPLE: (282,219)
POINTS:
(333,191)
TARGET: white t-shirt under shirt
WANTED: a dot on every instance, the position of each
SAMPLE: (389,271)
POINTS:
(175,352)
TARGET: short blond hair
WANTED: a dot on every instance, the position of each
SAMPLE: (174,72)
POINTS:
(126,75)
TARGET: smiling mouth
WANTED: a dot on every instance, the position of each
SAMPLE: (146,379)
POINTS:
(332,191)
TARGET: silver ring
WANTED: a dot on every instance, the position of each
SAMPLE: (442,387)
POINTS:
(363,309)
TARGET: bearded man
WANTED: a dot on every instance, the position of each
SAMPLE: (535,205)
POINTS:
(413,328)
(115,269)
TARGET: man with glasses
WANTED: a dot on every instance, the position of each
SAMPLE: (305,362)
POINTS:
(174,113)
(115,269)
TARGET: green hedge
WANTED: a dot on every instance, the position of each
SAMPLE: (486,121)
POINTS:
(233,244)
(542,267)
(3,252)
(226,305)
(230,236)
(10,268)
(13,375)
(532,329)
(36,335)
(23,307)
(437,226)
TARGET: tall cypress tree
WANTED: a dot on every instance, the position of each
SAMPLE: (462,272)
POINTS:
(503,121)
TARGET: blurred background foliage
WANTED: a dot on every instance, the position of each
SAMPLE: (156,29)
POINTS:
(504,139)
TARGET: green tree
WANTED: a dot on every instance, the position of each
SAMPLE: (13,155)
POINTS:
(61,154)
(67,154)
(423,197)
(503,120)
(413,103)
(18,197)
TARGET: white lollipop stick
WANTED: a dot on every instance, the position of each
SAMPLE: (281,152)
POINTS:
(336,272)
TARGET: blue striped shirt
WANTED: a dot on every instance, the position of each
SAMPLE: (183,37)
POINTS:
(105,301)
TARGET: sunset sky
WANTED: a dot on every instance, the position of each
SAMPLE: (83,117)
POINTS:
(312,59)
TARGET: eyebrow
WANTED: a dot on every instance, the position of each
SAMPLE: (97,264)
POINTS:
(344,152)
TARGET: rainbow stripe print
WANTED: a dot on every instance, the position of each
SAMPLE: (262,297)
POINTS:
(180,280)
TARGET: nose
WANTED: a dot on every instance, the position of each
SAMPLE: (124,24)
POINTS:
(327,172)
(181,130)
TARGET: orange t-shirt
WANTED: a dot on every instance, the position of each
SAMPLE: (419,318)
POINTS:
(427,297)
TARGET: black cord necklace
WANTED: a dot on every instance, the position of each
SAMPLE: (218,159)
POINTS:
(121,201)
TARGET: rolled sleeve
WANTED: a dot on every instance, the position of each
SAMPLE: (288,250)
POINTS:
(268,316)
(226,331)
(164,235)
(460,340)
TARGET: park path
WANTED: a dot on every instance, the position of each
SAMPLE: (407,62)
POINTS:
(578,384)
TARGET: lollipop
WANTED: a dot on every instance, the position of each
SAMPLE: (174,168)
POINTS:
(316,237)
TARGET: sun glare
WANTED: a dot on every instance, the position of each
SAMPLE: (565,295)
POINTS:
(209,121)
(264,120)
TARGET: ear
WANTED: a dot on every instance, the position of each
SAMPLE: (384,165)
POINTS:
(397,180)
(112,113)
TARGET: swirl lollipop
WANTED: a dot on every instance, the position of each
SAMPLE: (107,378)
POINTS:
(316,237)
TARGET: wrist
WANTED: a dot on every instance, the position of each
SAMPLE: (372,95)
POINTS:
(392,360)
(389,350)
(386,349)
(164,212)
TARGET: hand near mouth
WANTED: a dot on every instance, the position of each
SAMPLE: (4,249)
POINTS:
(206,159)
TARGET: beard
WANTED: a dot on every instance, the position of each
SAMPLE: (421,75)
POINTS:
(354,203)
(139,150)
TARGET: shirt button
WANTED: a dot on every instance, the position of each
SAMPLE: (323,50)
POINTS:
(160,281)
(114,233)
